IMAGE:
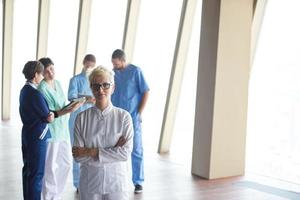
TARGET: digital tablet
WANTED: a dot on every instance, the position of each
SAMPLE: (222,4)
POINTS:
(74,101)
(79,99)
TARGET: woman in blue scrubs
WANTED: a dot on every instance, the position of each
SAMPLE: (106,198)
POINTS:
(35,116)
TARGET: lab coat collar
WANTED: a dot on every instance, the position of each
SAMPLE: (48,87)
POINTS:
(105,112)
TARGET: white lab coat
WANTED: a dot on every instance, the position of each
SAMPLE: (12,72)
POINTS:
(111,171)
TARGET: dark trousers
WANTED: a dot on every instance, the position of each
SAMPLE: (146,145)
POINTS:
(34,154)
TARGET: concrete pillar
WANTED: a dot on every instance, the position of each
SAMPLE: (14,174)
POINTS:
(222,89)
(8,8)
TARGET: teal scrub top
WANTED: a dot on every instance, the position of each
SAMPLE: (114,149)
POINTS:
(56,100)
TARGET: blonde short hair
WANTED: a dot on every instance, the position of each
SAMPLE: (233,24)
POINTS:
(102,72)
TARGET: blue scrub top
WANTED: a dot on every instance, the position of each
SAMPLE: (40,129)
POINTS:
(130,86)
(78,86)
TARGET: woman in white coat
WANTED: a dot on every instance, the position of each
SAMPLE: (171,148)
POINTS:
(103,144)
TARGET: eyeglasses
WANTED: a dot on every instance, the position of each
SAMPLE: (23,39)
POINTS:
(104,86)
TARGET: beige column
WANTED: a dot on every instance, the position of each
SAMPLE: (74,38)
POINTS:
(222,89)
(8,8)
(130,27)
(178,66)
(82,33)
(43,24)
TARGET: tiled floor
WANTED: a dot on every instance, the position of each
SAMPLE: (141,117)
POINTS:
(166,178)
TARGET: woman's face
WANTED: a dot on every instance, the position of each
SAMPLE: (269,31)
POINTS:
(49,73)
(102,89)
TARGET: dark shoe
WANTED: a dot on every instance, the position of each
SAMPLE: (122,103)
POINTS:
(138,189)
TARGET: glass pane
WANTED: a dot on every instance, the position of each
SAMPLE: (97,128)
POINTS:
(106,29)
(62,38)
(24,46)
(184,124)
(155,43)
(273,139)
(1,19)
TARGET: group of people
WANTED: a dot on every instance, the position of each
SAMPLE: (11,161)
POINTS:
(103,132)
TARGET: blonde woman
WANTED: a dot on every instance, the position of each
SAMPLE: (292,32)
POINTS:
(103,143)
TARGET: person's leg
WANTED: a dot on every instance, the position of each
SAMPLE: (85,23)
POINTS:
(137,157)
(117,196)
(49,189)
(25,168)
(85,193)
(76,166)
(76,173)
(36,166)
(64,163)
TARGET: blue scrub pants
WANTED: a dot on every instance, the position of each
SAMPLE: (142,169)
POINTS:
(76,173)
(137,157)
(76,165)
(34,155)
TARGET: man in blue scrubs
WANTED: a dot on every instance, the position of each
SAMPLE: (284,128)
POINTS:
(79,87)
(131,93)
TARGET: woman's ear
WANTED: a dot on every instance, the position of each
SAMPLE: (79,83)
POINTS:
(36,76)
(112,88)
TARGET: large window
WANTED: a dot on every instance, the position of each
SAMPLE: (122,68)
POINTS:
(184,123)
(63,22)
(155,43)
(24,46)
(1,14)
(273,141)
(106,29)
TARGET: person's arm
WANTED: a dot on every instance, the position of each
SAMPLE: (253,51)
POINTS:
(90,99)
(94,152)
(143,102)
(73,90)
(143,89)
(79,152)
(71,108)
(119,152)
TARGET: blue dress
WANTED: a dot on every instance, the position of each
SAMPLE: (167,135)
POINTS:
(34,112)
(130,86)
(78,86)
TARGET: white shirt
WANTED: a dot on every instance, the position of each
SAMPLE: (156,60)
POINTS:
(111,171)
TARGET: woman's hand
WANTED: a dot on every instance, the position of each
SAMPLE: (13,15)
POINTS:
(75,106)
(84,151)
(50,117)
(121,142)
(90,100)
